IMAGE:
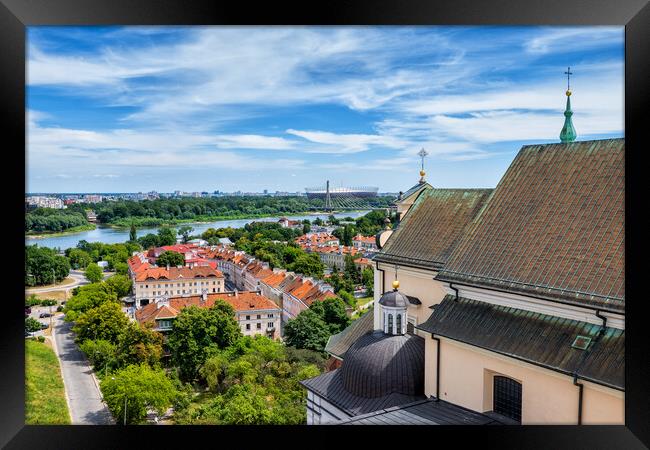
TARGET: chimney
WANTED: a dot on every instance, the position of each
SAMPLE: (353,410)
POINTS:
(236,293)
(204,295)
(167,267)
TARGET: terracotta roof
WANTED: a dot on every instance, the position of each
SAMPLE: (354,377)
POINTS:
(241,301)
(553,228)
(432,227)
(274,279)
(175,273)
(138,263)
(537,338)
(360,238)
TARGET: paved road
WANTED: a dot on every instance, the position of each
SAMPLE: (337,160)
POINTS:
(79,280)
(83,395)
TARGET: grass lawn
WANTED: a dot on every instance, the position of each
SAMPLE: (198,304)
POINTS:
(363,300)
(44,393)
(53,295)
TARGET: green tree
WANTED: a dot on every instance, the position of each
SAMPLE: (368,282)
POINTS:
(332,311)
(198,331)
(133,235)
(120,284)
(149,240)
(307,330)
(94,273)
(32,324)
(141,388)
(166,236)
(79,259)
(121,268)
(172,258)
(306,226)
(318,221)
(185,231)
(308,264)
(347,297)
(101,353)
(107,321)
(137,344)
(368,280)
(44,266)
(87,297)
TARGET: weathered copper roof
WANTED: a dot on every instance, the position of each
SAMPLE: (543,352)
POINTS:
(536,338)
(339,343)
(553,228)
(432,226)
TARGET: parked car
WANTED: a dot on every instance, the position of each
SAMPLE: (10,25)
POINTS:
(44,326)
(44,315)
(28,311)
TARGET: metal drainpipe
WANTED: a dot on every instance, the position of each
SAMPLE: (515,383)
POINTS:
(575,373)
(455,290)
(437,366)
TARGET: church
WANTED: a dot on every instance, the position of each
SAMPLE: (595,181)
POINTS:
(494,306)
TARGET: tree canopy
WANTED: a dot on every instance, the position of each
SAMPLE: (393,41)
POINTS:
(172,258)
(198,331)
(94,273)
(139,387)
(44,266)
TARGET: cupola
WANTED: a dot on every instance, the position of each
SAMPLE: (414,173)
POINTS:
(393,307)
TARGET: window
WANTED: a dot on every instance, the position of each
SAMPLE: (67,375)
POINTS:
(269,325)
(218,289)
(398,329)
(390,323)
(507,397)
(271,316)
(248,317)
(259,326)
(259,316)
(146,286)
(248,326)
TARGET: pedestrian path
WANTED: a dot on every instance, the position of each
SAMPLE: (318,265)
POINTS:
(81,389)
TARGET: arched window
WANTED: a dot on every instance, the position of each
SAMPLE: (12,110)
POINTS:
(398,329)
(390,323)
(507,397)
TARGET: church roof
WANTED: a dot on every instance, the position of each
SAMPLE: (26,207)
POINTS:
(339,343)
(536,338)
(330,387)
(422,412)
(378,364)
(553,227)
(432,227)
(394,299)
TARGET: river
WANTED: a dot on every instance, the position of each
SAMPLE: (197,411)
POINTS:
(109,235)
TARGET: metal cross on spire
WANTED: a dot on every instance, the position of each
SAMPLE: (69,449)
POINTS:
(422,153)
(568,74)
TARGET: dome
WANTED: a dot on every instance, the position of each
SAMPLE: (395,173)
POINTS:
(394,299)
(378,365)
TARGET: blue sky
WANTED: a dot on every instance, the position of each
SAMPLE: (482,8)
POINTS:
(128,109)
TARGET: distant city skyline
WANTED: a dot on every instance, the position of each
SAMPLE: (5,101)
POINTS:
(136,109)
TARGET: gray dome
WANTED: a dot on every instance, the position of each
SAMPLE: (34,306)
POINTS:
(394,299)
(379,364)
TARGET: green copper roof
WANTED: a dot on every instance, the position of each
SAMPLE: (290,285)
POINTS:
(568,133)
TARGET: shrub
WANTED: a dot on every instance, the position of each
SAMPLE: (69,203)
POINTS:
(41,339)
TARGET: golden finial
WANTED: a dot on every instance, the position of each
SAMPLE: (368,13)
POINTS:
(422,173)
(395,284)
(568,93)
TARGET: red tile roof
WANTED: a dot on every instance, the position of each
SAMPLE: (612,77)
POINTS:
(241,302)
(175,273)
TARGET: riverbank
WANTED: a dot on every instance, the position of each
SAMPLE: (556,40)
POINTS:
(73,230)
(145,222)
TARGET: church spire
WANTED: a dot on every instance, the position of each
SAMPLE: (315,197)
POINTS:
(568,133)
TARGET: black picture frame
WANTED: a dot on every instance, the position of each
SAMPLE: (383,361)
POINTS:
(15,15)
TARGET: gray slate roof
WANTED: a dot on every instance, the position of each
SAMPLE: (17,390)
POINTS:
(339,343)
(422,412)
(330,387)
(539,339)
(394,299)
